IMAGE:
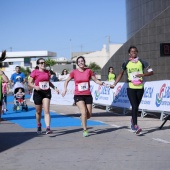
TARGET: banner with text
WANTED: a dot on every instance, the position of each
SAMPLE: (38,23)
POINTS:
(156,95)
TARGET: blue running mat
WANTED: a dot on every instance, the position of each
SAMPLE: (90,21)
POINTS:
(26,119)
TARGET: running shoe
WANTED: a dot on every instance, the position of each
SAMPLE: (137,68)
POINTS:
(39,130)
(138,129)
(48,131)
(132,126)
(85,133)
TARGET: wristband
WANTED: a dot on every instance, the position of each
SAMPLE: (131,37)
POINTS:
(150,70)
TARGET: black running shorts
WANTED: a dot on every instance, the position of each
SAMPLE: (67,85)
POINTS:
(88,99)
(39,95)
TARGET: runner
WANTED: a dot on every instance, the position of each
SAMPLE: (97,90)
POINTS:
(82,94)
(40,81)
(135,72)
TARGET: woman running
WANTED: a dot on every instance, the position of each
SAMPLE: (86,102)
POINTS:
(40,81)
(82,94)
(135,72)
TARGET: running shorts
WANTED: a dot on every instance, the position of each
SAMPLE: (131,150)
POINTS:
(88,99)
(39,95)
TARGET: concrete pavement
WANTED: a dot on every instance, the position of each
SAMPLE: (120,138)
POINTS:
(110,147)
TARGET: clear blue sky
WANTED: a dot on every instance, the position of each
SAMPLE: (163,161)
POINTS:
(61,26)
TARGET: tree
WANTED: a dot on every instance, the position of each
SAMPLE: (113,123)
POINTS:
(49,62)
(94,67)
(26,71)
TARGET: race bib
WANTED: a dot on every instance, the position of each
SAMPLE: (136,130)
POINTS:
(83,86)
(133,76)
(44,85)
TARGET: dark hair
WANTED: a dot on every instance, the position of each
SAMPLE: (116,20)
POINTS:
(52,72)
(109,69)
(3,56)
(18,67)
(36,67)
(63,72)
(39,60)
(131,48)
(79,58)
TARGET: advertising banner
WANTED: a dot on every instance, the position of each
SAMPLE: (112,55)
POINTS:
(156,95)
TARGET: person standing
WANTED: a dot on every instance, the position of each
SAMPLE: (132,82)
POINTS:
(18,76)
(82,95)
(3,78)
(111,75)
(64,75)
(40,81)
(134,67)
(4,92)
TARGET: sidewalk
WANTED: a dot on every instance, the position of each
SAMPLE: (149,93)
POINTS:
(109,147)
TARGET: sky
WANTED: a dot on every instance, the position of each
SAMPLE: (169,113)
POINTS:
(61,26)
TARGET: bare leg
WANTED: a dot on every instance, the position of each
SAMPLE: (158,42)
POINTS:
(89,110)
(46,107)
(38,113)
(83,110)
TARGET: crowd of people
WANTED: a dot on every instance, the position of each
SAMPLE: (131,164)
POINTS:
(41,79)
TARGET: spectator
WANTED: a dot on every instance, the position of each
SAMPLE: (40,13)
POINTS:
(18,76)
(53,78)
(64,75)
(111,75)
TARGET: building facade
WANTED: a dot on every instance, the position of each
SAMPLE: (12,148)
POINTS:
(99,57)
(148,25)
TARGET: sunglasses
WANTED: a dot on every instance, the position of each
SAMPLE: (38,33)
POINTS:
(41,62)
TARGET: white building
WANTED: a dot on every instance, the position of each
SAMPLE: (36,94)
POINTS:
(23,59)
(99,57)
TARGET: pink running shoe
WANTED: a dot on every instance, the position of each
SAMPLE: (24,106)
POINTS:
(138,129)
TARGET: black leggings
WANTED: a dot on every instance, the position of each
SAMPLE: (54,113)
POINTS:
(135,97)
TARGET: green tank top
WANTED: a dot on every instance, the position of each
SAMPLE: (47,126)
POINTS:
(132,70)
(111,77)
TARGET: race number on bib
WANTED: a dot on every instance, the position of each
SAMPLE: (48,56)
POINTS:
(44,85)
(133,75)
(83,86)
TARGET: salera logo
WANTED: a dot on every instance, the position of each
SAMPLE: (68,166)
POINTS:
(97,92)
(116,94)
(159,96)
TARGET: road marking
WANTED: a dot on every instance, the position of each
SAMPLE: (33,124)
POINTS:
(62,113)
(115,126)
(160,140)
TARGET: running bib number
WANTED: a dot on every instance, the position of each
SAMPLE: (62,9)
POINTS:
(44,85)
(83,86)
(133,76)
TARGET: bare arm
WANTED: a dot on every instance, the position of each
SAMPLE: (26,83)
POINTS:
(65,86)
(118,79)
(149,73)
(96,80)
(31,84)
(54,87)
(4,77)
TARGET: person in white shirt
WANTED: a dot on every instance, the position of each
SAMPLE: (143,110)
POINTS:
(64,75)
